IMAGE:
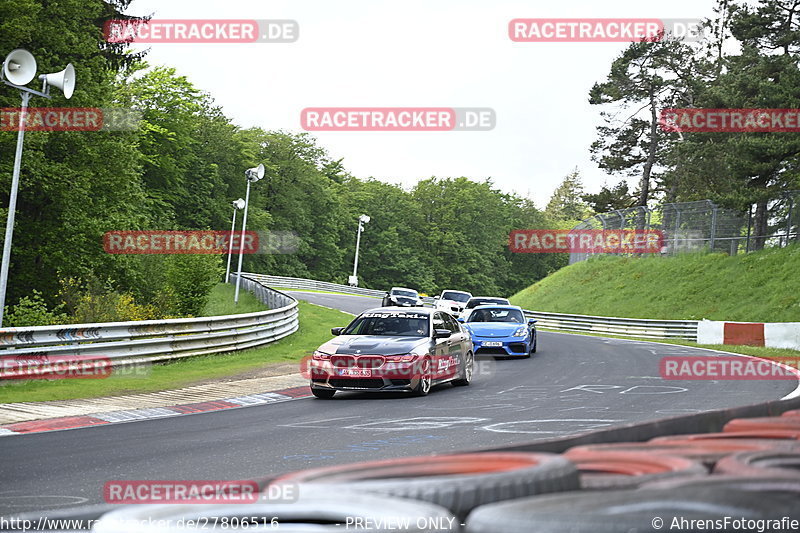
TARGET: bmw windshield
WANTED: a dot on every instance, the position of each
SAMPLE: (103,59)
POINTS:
(455,296)
(387,324)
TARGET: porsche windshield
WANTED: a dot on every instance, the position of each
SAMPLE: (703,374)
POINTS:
(497,315)
(398,325)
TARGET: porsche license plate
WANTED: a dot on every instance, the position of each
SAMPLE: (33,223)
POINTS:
(355,372)
(493,344)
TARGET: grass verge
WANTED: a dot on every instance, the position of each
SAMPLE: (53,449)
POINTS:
(754,287)
(220,302)
(315,324)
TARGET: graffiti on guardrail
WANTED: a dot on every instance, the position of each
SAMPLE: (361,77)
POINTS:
(72,334)
(160,329)
(17,338)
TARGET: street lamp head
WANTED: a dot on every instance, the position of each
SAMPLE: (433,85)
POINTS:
(255,173)
(364,218)
(238,204)
(19,67)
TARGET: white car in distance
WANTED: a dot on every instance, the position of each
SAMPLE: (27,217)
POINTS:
(452,301)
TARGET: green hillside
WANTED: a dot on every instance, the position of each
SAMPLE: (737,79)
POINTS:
(762,286)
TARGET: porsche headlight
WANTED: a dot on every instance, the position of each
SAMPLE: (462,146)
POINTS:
(521,332)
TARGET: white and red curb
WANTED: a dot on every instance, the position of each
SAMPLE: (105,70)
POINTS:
(130,415)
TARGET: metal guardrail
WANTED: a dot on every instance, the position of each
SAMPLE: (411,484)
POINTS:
(301,284)
(629,327)
(147,341)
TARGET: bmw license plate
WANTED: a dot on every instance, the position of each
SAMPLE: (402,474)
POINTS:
(493,344)
(355,372)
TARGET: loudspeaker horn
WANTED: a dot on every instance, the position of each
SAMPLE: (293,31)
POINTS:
(19,67)
(64,80)
(255,173)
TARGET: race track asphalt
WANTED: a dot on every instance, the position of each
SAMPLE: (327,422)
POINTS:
(575,383)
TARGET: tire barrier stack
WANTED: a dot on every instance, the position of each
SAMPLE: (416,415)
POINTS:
(745,477)
(748,472)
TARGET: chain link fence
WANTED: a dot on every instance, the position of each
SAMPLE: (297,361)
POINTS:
(703,225)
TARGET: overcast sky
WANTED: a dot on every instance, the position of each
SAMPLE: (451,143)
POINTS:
(419,53)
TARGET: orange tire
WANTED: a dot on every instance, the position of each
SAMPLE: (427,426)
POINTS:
(618,469)
(706,452)
(769,434)
(768,423)
(458,482)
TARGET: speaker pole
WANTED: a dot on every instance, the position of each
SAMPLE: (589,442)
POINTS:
(12,206)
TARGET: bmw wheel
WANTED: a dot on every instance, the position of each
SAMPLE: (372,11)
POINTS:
(424,381)
(469,365)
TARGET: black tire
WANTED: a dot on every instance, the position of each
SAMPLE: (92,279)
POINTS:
(760,463)
(323,394)
(384,302)
(457,482)
(469,366)
(628,510)
(535,342)
(425,381)
(790,483)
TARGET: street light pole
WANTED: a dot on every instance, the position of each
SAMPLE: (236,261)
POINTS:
(363,219)
(18,69)
(253,175)
(12,207)
(237,204)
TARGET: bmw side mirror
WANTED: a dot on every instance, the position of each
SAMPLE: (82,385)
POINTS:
(336,331)
(441,334)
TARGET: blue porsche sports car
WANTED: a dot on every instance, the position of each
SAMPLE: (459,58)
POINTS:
(501,330)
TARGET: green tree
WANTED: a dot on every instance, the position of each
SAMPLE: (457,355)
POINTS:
(647,77)
(567,203)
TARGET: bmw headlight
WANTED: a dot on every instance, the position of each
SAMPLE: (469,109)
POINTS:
(521,332)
